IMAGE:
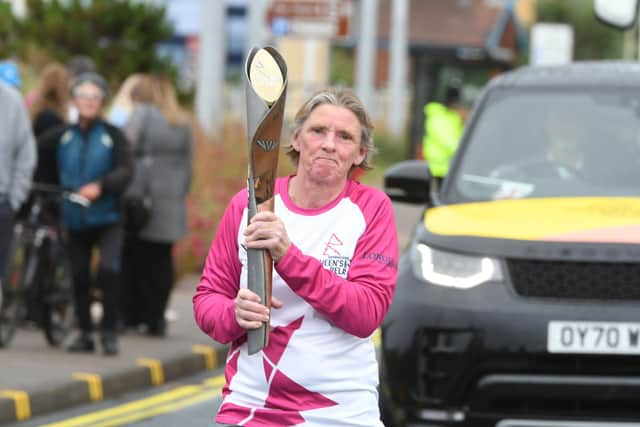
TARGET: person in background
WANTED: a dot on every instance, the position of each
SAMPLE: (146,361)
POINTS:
(50,109)
(94,160)
(77,65)
(444,124)
(122,104)
(559,156)
(335,250)
(162,143)
(18,158)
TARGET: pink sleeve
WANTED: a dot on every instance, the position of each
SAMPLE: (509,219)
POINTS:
(358,304)
(213,302)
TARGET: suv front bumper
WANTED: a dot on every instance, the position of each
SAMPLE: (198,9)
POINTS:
(477,356)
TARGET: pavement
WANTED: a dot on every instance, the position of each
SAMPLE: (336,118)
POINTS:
(36,379)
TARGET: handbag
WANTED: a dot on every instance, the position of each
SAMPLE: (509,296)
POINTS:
(137,213)
(138,206)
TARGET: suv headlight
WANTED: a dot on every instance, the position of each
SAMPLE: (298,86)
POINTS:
(453,270)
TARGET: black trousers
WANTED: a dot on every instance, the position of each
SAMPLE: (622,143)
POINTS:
(148,278)
(6,234)
(108,241)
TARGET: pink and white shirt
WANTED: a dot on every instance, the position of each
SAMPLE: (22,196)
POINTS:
(336,282)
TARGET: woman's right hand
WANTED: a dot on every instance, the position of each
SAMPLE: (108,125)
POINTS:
(250,312)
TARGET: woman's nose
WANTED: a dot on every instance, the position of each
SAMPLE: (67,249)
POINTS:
(329,140)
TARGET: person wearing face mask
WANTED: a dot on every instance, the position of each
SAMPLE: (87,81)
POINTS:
(335,248)
(93,159)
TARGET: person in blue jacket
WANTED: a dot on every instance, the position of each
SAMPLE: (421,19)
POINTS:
(93,159)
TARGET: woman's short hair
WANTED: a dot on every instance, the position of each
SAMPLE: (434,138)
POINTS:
(340,97)
(93,78)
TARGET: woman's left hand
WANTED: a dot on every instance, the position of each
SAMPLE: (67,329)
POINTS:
(91,191)
(267,231)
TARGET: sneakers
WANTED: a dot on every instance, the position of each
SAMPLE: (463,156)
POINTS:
(82,344)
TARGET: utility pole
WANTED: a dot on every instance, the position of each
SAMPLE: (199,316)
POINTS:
(396,102)
(366,50)
(212,56)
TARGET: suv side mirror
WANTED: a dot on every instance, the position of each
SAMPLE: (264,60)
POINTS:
(408,182)
(619,13)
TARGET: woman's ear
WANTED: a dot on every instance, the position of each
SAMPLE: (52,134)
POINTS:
(295,141)
(362,154)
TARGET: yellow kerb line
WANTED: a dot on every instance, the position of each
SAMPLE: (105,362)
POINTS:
(138,406)
(209,354)
(94,382)
(155,369)
(159,410)
(21,401)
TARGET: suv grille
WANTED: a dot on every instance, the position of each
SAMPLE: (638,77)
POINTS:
(575,280)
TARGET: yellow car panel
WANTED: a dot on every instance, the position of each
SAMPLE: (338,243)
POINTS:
(601,219)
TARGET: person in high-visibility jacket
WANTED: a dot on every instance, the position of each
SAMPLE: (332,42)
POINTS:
(444,124)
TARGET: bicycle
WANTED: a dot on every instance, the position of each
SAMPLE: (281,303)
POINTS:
(38,280)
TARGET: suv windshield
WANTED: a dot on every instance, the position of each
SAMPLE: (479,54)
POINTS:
(550,143)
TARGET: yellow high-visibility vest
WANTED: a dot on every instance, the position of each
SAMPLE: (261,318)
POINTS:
(442,131)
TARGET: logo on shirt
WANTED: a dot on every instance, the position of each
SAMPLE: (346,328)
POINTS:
(106,140)
(66,138)
(332,258)
(331,248)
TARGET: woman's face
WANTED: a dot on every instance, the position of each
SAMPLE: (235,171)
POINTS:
(329,145)
(88,99)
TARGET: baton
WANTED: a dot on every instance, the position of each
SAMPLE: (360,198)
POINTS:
(266,86)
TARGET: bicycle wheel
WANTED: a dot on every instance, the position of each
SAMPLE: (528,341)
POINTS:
(58,315)
(13,290)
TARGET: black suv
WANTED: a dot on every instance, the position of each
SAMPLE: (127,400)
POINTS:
(518,296)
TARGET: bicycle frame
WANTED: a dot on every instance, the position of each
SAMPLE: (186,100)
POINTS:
(39,268)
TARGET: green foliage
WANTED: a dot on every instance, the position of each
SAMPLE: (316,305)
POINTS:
(592,39)
(119,35)
(342,66)
(7,34)
(389,150)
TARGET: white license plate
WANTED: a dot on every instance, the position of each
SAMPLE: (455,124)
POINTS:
(593,337)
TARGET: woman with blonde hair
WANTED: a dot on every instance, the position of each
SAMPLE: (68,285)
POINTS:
(161,137)
(122,104)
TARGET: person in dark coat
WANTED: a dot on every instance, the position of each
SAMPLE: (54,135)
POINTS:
(94,160)
(49,111)
(162,144)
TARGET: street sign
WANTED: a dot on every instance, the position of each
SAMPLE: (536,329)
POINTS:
(551,44)
(310,18)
